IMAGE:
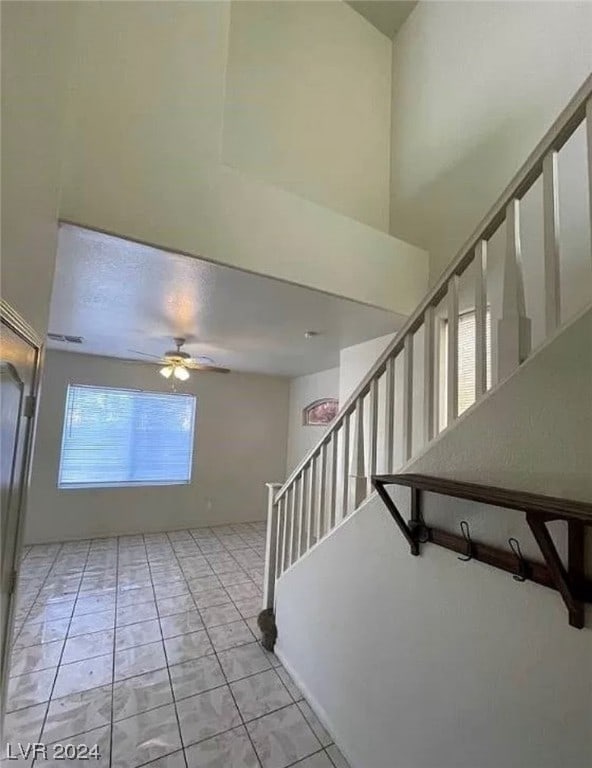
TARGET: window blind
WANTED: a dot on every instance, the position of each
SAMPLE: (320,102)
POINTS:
(121,437)
(466,361)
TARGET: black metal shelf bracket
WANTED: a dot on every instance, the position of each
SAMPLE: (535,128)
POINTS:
(570,581)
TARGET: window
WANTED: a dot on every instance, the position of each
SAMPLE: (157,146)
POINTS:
(466,361)
(120,437)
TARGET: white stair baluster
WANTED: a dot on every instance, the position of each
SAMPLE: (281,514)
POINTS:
(332,500)
(357,468)
(551,229)
(480,264)
(292,525)
(589,143)
(310,503)
(372,433)
(513,335)
(278,543)
(407,397)
(320,528)
(389,431)
(345,467)
(428,375)
(452,367)
(301,514)
(269,576)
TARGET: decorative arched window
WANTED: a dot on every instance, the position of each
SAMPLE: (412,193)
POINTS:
(321,412)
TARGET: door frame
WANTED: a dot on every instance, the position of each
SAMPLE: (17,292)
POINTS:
(10,318)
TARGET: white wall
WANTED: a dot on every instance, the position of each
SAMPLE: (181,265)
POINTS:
(426,662)
(36,57)
(355,362)
(145,159)
(457,665)
(475,86)
(308,104)
(303,391)
(240,444)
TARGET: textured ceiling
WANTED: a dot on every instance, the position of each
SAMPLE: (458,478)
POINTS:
(387,16)
(121,296)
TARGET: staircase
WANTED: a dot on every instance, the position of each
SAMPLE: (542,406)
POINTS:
(411,395)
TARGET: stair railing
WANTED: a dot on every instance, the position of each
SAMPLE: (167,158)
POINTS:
(334,478)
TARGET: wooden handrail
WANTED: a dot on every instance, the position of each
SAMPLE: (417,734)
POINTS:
(559,133)
(548,506)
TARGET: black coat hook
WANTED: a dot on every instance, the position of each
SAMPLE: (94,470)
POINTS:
(464,526)
(522,567)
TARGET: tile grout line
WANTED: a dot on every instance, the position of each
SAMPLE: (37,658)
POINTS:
(293,702)
(165,654)
(177,546)
(246,730)
(53,562)
(63,648)
(114,645)
(51,565)
(271,668)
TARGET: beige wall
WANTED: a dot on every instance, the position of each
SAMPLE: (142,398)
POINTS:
(240,444)
(145,159)
(308,104)
(475,86)
(303,391)
(36,45)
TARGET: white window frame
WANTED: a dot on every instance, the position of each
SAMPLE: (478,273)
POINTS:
(127,483)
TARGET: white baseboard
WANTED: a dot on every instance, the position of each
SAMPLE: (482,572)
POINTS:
(316,707)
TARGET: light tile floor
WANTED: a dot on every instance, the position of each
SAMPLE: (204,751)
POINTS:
(146,646)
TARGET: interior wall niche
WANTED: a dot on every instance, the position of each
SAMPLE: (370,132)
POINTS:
(320,412)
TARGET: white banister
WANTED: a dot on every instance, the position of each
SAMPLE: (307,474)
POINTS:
(551,238)
(452,352)
(358,471)
(407,427)
(480,266)
(428,374)
(310,503)
(372,434)
(301,523)
(269,575)
(513,334)
(284,513)
(389,432)
(334,477)
(320,529)
(291,557)
(281,520)
(589,145)
(344,469)
(332,500)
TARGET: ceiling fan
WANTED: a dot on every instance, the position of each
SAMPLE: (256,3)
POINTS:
(177,363)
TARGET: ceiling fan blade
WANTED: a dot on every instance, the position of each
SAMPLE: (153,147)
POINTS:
(210,368)
(144,354)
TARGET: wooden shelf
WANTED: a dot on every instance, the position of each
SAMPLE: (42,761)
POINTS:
(570,582)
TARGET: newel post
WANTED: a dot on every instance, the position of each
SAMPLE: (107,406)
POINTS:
(271,552)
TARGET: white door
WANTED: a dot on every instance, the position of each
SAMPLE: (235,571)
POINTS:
(19,368)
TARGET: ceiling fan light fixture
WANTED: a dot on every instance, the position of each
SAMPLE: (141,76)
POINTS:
(181,373)
(166,371)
